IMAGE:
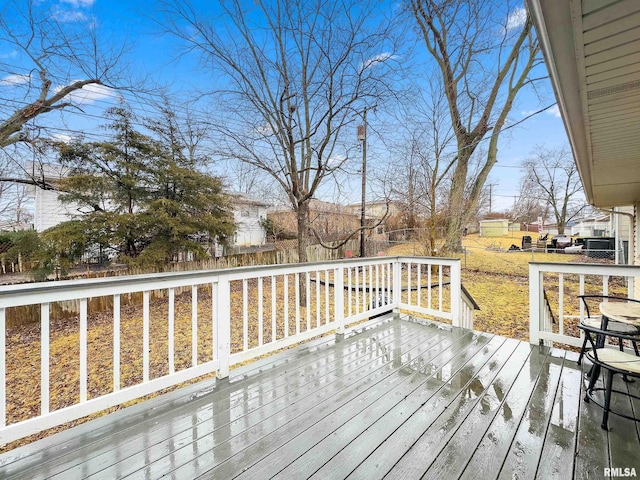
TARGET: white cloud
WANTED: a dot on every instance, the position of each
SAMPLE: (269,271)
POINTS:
(526,113)
(79,3)
(516,18)
(70,16)
(89,94)
(11,54)
(62,137)
(554,111)
(380,58)
(15,79)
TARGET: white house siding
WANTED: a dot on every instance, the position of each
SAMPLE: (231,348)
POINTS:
(247,216)
(636,247)
(49,211)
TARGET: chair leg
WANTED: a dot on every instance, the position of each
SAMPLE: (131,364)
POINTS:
(607,400)
(582,350)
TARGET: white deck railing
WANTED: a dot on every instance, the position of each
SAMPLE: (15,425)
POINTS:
(250,312)
(555,318)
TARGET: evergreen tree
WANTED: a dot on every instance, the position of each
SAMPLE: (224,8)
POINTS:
(141,197)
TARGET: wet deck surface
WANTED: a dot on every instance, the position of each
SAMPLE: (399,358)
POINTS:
(397,399)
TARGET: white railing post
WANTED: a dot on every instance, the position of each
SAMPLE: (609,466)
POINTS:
(222,325)
(455,293)
(44,358)
(338,293)
(3,368)
(535,300)
(397,287)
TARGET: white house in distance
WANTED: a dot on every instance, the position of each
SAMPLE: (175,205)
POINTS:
(49,211)
(248,213)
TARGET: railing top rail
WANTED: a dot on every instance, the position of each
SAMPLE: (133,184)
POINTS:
(22,294)
(595,268)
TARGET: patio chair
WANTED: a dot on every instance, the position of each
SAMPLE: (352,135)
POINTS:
(612,362)
(612,326)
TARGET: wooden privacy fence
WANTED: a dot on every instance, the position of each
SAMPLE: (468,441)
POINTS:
(25,315)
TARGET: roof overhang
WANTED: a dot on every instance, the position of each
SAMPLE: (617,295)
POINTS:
(592,51)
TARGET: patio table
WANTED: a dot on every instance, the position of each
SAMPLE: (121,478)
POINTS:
(623,312)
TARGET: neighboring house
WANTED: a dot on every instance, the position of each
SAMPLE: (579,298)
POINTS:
(248,213)
(593,62)
(330,221)
(49,211)
(593,226)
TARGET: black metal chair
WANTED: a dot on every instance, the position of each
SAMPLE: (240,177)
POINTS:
(612,362)
(612,326)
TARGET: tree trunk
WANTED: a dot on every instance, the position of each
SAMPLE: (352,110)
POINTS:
(303,242)
(457,205)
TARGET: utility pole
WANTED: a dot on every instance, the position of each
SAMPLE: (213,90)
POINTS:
(490,185)
(362,135)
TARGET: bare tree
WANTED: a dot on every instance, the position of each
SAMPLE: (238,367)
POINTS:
(528,205)
(53,61)
(422,174)
(293,75)
(484,51)
(552,176)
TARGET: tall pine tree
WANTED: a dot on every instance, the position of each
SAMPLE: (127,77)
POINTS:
(141,197)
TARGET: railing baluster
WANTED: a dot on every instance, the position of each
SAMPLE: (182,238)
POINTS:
(145,335)
(561,304)
(194,325)
(44,358)
(245,315)
(260,312)
(605,285)
(371,287)
(317,298)
(440,288)
(285,290)
(409,273)
(429,289)
(357,275)
(171,331)
(273,308)
(3,367)
(377,300)
(349,292)
(83,350)
(419,284)
(326,296)
(297,290)
(338,292)
(308,299)
(116,342)
(364,288)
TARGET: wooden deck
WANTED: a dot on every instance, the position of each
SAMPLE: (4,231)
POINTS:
(396,399)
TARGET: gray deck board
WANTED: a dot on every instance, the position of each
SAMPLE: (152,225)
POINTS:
(322,376)
(526,448)
(557,458)
(396,399)
(354,439)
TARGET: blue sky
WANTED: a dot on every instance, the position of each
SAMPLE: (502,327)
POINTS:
(157,56)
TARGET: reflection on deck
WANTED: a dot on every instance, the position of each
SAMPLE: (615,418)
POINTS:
(397,398)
